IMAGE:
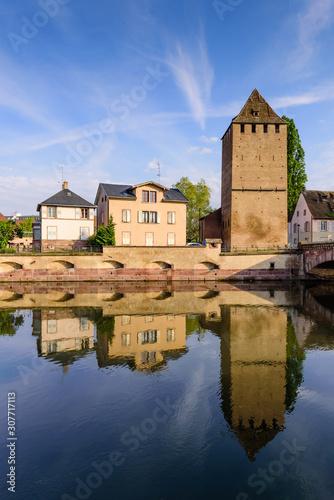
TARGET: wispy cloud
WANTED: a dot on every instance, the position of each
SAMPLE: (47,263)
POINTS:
(194,76)
(317,17)
(198,150)
(317,94)
(203,138)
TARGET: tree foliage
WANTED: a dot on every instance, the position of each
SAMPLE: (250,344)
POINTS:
(7,232)
(198,206)
(104,236)
(24,227)
(296,165)
(9,322)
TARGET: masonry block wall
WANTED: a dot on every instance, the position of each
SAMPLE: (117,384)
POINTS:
(254,177)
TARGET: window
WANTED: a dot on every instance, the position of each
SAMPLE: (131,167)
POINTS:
(277,128)
(84,324)
(126,216)
(323,239)
(52,346)
(307,227)
(297,213)
(171,217)
(171,239)
(253,128)
(52,326)
(52,213)
(125,320)
(265,128)
(242,128)
(170,334)
(170,317)
(84,233)
(84,213)
(126,339)
(256,113)
(304,212)
(149,319)
(102,217)
(153,196)
(154,217)
(146,195)
(126,238)
(148,357)
(149,239)
(323,225)
(149,337)
(37,233)
(52,233)
(145,216)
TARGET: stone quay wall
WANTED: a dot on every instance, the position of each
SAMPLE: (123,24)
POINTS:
(150,264)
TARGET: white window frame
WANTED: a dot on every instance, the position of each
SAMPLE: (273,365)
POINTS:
(171,238)
(126,215)
(52,212)
(171,217)
(49,232)
(126,238)
(84,233)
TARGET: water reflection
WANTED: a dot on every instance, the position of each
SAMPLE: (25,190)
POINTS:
(263,337)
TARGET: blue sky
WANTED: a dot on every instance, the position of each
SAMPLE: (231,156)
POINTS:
(113,87)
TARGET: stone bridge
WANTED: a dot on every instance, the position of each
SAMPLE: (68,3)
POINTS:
(320,256)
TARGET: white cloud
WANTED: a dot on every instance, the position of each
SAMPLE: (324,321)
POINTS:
(208,139)
(198,150)
(194,76)
(318,94)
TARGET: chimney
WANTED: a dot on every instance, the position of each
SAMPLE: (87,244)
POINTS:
(65,185)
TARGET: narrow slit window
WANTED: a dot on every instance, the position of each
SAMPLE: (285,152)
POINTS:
(277,128)
(265,128)
(253,128)
(242,128)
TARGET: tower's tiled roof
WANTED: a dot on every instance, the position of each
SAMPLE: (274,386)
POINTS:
(257,110)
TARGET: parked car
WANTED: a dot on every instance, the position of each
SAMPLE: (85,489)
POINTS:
(194,244)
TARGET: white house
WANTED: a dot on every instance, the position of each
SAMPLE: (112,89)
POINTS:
(313,218)
(66,221)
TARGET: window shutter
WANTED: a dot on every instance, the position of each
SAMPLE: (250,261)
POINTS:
(139,337)
(77,213)
(319,225)
(44,212)
(91,213)
(58,212)
(158,335)
(158,217)
(140,216)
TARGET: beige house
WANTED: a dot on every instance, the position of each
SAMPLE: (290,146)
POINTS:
(146,214)
(66,221)
(313,218)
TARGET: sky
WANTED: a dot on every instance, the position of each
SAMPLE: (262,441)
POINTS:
(106,91)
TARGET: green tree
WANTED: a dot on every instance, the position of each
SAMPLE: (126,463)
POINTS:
(104,236)
(7,232)
(296,165)
(9,322)
(198,206)
(24,227)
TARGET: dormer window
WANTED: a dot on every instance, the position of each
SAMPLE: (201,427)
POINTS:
(256,113)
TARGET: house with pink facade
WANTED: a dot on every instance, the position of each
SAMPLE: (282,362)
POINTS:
(313,218)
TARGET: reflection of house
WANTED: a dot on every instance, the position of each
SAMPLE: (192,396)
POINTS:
(253,370)
(62,331)
(144,342)
(146,214)
(66,220)
(313,218)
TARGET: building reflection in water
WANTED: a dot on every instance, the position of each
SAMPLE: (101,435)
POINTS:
(259,372)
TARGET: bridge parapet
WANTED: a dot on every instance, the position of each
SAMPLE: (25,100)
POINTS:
(317,253)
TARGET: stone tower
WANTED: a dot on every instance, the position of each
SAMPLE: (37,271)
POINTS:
(254,178)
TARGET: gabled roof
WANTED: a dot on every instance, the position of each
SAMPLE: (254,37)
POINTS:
(125,191)
(320,203)
(66,198)
(2,217)
(256,103)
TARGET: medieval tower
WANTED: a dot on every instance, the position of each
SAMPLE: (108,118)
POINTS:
(254,178)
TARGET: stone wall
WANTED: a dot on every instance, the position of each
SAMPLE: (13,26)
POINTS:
(149,263)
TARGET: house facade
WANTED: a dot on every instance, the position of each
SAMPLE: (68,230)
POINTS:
(313,218)
(66,221)
(146,214)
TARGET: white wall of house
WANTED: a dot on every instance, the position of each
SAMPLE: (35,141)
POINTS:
(66,223)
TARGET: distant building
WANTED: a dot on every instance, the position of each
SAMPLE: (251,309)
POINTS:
(254,180)
(313,218)
(66,221)
(146,214)
(2,217)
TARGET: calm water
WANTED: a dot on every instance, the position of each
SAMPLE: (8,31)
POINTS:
(152,392)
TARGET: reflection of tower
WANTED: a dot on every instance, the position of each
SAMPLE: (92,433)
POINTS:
(253,373)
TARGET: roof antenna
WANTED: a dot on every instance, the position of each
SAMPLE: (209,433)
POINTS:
(62,173)
(158,168)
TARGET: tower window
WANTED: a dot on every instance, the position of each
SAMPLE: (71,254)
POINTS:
(265,128)
(277,128)
(242,128)
(253,128)
(256,113)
